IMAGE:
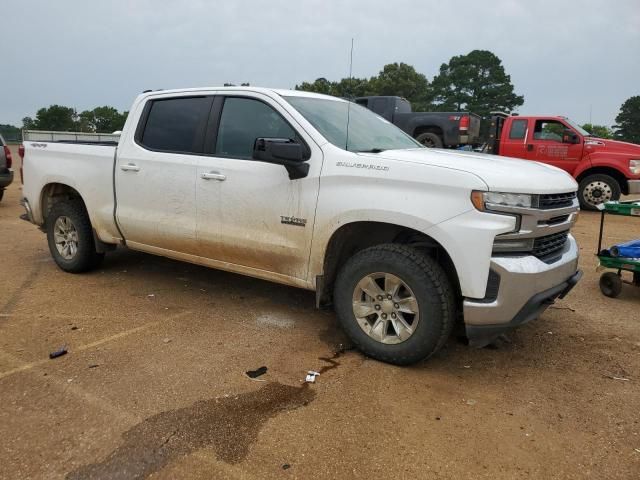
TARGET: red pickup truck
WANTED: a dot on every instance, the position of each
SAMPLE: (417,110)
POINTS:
(605,169)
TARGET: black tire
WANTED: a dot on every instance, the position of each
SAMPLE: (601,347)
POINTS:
(430,287)
(1,193)
(85,258)
(431,140)
(596,186)
(610,284)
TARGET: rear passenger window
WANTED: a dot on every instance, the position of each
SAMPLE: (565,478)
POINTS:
(175,124)
(242,121)
(518,129)
(379,105)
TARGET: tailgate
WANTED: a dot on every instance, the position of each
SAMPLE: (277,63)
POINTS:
(474,125)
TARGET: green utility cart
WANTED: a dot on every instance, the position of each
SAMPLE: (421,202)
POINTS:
(611,282)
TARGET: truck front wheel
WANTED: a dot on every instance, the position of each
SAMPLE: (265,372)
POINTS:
(430,140)
(70,237)
(395,303)
(596,189)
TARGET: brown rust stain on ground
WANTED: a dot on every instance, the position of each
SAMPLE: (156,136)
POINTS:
(228,425)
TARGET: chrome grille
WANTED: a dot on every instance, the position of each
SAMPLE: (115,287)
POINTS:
(544,246)
(556,200)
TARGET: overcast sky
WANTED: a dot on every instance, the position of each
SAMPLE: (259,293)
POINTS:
(565,57)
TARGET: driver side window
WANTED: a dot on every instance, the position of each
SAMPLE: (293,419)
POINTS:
(242,121)
(551,130)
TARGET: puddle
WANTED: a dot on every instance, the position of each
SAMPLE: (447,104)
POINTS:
(227,425)
(334,337)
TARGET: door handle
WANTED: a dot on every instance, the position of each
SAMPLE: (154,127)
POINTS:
(213,176)
(530,148)
(130,167)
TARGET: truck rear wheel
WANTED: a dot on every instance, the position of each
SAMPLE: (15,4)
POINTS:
(70,237)
(430,140)
(596,189)
(395,303)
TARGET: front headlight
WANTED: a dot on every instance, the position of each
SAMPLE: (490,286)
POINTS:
(634,166)
(483,200)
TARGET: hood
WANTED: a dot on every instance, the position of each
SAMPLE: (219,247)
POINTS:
(593,144)
(501,174)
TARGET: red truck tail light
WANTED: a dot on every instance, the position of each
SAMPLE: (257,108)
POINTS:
(464,122)
(7,154)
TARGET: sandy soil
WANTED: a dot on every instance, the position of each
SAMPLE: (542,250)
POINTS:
(154,385)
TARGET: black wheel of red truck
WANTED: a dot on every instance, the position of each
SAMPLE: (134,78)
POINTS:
(596,189)
(395,303)
(610,284)
(70,237)
(430,140)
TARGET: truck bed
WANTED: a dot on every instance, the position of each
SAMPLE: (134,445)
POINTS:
(409,122)
(71,137)
(48,163)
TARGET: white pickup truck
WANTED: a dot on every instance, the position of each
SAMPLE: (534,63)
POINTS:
(318,193)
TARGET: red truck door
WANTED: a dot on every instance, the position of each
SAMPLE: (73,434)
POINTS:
(545,144)
(513,141)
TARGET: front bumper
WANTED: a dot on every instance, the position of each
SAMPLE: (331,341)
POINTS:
(6,177)
(527,286)
(634,186)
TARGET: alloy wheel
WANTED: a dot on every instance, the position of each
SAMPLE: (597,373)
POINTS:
(385,308)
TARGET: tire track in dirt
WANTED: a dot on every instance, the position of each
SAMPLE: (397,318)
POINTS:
(26,283)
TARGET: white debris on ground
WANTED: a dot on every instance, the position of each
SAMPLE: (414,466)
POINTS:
(277,320)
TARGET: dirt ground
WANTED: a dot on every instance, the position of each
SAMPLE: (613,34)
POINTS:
(154,385)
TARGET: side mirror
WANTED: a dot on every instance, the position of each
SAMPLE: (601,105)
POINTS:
(282,151)
(569,136)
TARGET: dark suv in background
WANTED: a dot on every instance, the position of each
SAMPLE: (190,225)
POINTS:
(6,174)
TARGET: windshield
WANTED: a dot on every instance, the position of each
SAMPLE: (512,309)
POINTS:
(577,127)
(367,131)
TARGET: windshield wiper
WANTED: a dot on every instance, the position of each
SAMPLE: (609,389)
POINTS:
(372,150)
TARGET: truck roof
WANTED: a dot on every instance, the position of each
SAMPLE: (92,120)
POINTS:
(278,91)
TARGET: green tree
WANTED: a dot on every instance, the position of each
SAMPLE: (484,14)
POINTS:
(397,79)
(28,123)
(101,120)
(347,87)
(86,122)
(56,117)
(402,80)
(320,85)
(600,131)
(476,82)
(628,121)
(10,132)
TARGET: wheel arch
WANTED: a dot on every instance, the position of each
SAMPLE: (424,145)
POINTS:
(419,130)
(612,172)
(54,192)
(355,236)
